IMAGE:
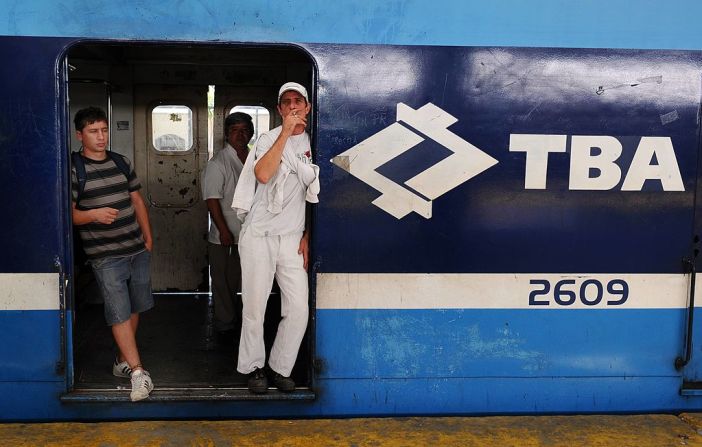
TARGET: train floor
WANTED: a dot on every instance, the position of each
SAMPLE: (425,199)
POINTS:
(177,344)
(178,331)
(520,431)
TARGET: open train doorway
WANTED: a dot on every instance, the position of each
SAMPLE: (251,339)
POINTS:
(166,105)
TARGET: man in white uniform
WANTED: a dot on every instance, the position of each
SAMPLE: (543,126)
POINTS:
(275,182)
(220,179)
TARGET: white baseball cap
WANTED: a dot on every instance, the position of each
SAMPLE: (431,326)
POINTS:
(294,86)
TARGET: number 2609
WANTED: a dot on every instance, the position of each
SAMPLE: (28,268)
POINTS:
(591,292)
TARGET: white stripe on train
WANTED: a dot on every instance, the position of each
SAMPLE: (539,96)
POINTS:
(40,291)
(503,291)
(29,291)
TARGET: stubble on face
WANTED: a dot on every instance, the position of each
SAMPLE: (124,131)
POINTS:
(95,138)
(293,103)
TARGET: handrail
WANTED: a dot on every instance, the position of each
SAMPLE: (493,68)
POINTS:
(680,363)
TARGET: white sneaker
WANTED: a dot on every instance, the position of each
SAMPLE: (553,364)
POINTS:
(121,369)
(141,385)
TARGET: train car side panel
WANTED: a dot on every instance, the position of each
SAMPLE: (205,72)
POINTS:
(567,150)
(33,263)
(506,213)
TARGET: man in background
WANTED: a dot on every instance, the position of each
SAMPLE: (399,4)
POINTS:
(220,179)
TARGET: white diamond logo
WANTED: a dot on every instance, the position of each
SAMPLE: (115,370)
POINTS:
(465,162)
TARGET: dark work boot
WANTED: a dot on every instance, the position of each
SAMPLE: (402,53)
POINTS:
(258,383)
(284,384)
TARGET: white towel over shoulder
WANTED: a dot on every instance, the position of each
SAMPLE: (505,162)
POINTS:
(245,188)
(307,174)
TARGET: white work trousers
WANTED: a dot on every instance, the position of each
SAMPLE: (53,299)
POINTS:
(262,258)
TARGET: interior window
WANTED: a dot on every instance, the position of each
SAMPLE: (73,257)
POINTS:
(172,128)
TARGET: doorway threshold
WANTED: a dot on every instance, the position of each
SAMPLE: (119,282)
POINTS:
(186,395)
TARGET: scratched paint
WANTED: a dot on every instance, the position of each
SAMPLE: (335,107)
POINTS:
(455,343)
(449,344)
(29,291)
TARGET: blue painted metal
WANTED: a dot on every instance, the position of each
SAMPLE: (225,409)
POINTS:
(32,155)
(693,370)
(30,347)
(33,239)
(693,331)
(492,223)
(505,395)
(545,23)
(475,343)
(418,362)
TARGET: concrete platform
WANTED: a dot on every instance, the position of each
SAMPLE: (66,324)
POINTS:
(523,431)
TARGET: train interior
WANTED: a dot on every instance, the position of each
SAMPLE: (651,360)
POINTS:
(166,104)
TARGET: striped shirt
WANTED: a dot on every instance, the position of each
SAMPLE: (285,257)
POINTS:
(106,186)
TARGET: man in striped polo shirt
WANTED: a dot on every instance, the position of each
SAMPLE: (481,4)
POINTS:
(114,227)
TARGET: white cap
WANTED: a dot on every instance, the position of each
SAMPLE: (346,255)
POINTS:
(294,86)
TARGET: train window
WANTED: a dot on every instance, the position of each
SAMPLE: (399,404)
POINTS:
(261,119)
(172,128)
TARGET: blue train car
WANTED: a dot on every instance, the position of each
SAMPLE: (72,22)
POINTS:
(505,228)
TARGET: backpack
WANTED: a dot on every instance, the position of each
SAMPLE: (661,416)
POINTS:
(79,164)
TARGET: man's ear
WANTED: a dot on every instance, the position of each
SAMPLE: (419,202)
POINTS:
(79,135)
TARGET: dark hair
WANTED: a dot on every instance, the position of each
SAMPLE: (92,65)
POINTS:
(87,116)
(236,118)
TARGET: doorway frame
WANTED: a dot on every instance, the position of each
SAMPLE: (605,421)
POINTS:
(74,394)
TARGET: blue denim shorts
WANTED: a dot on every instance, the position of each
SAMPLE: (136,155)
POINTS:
(125,284)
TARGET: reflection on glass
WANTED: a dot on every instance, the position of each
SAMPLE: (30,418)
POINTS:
(172,128)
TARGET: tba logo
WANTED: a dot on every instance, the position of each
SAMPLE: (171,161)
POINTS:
(465,162)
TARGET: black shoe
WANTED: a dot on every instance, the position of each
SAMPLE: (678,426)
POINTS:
(258,383)
(284,384)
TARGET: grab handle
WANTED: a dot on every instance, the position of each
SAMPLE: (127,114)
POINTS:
(680,362)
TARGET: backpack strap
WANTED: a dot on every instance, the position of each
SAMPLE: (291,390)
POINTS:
(121,163)
(79,166)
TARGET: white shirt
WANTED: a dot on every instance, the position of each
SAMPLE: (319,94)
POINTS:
(219,182)
(285,191)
